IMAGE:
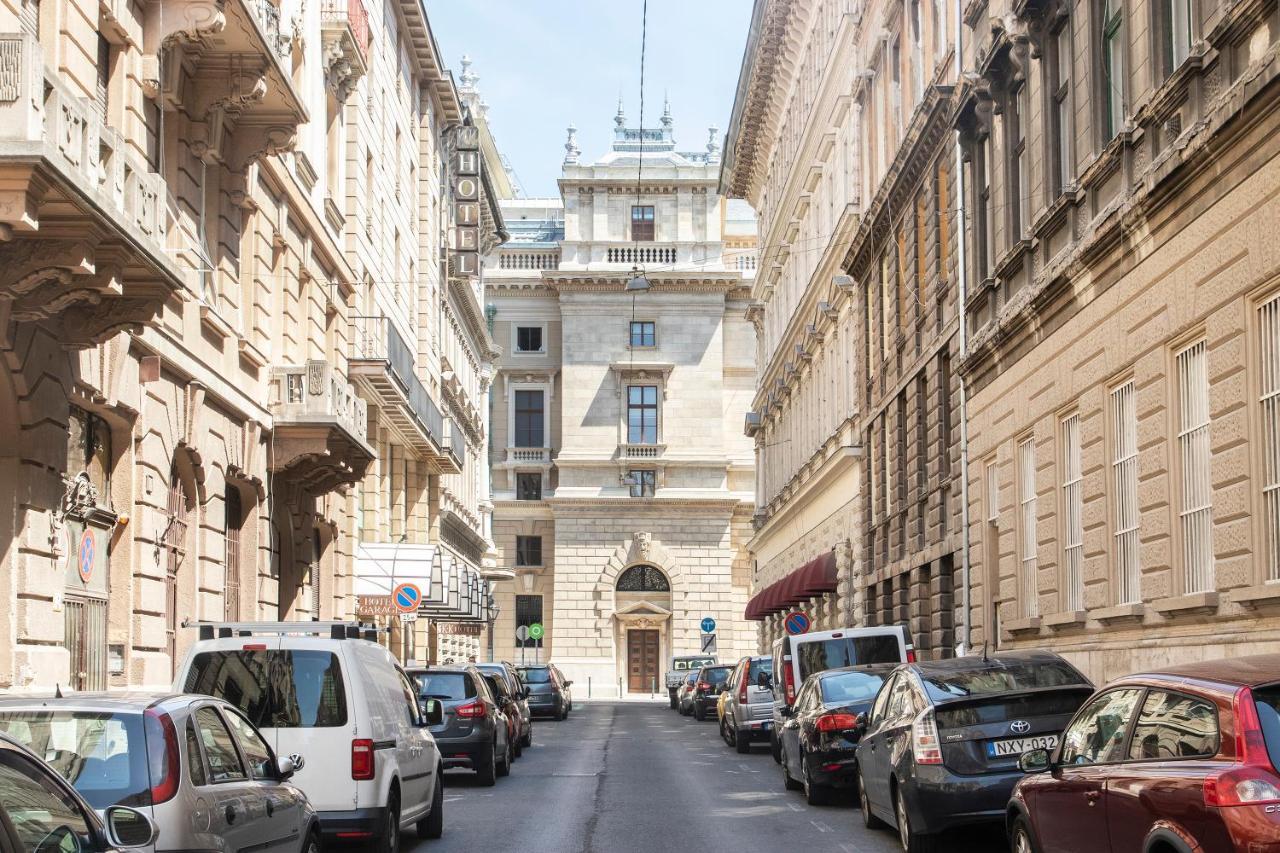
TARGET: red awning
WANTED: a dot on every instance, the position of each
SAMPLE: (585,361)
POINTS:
(816,577)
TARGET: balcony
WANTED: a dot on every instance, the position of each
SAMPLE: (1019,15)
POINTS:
(344,32)
(320,439)
(641,254)
(529,259)
(382,366)
(648,452)
(82,215)
(529,455)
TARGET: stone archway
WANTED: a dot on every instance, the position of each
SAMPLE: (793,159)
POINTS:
(642,578)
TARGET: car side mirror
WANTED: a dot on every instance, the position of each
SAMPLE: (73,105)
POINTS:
(1034,761)
(129,828)
(287,765)
(432,712)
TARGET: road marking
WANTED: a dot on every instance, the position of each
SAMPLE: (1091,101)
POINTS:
(822,827)
(793,806)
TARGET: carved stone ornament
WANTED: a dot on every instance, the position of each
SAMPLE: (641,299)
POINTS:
(78,501)
(644,544)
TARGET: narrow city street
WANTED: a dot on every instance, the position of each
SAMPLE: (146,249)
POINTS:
(631,778)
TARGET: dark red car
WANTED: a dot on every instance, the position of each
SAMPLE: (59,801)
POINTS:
(1178,761)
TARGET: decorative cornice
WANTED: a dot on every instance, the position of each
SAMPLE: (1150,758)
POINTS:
(614,281)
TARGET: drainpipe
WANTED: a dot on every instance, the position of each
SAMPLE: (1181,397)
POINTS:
(962,291)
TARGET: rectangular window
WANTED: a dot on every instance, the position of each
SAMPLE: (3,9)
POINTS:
(1027,538)
(1113,68)
(233,509)
(642,414)
(643,333)
(528,550)
(904,281)
(528,612)
(922,255)
(1059,68)
(1193,451)
(1072,516)
(529,339)
(993,492)
(1019,209)
(528,486)
(1269,358)
(643,482)
(1124,477)
(918,69)
(104,77)
(984,238)
(529,419)
(1177,33)
(642,222)
(942,194)
(887,304)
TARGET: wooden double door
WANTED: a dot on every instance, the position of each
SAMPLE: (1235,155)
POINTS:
(643,666)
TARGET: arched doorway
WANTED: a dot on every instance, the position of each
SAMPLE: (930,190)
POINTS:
(642,610)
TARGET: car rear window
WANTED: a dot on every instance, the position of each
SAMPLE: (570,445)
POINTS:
(691,663)
(822,655)
(444,685)
(759,665)
(535,675)
(997,676)
(847,687)
(1267,700)
(280,689)
(103,755)
(997,709)
(717,675)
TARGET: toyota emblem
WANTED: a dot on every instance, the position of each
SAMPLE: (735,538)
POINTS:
(1019,727)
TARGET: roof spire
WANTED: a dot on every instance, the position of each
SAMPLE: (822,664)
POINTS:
(571,150)
(666,110)
(620,120)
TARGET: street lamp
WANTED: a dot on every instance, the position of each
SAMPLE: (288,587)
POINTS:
(638,281)
(491,614)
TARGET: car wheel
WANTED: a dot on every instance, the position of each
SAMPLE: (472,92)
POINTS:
(527,740)
(312,845)
(741,741)
(787,782)
(487,772)
(517,747)
(504,769)
(699,713)
(724,733)
(814,793)
(672,698)
(391,829)
(432,826)
(869,820)
(775,747)
(1020,838)
(912,842)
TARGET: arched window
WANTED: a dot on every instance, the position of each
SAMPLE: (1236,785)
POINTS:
(643,579)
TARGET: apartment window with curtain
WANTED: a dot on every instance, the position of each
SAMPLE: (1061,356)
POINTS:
(1058,68)
(1072,516)
(1175,31)
(642,414)
(1112,81)
(1027,542)
(529,419)
(1196,510)
(1124,480)
(1269,358)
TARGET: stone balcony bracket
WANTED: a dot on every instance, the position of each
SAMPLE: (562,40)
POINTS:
(320,435)
(345,45)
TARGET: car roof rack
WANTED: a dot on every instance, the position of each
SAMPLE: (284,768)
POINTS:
(335,630)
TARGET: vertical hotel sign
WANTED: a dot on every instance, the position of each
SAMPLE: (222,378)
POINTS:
(466,202)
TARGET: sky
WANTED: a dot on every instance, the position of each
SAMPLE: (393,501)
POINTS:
(544,64)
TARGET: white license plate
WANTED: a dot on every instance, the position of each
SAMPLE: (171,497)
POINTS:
(1019,745)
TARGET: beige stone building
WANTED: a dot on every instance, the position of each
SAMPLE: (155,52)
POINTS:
(1123,171)
(622,485)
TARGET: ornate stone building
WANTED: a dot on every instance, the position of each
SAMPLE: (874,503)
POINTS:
(1123,163)
(622,486)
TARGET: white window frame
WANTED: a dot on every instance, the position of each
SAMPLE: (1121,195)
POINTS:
(515,339)
(545,388)
(1124,480)
(1195,510)
(1072,515)
(1028,542)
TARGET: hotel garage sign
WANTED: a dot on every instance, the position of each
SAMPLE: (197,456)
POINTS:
(466,201)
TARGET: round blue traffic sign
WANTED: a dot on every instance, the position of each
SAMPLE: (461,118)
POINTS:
(796,623)
(406,597)
(708,624)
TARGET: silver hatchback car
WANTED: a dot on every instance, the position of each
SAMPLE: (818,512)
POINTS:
(192,764)
(748,705)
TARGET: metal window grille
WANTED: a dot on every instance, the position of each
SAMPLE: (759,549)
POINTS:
(85,627)
(314,572)
(1193,447)
(175,542)
(1073,514)
(1124,473)
(1027,522)
(1269,344)
(528,612)
(234,522)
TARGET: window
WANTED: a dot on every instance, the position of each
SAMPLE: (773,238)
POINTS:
(234,520)
(1269,358)
(529,419)
(255,749)
(1072,515)
(887,303)
(643,333)
(642,222)
(642,414)
(89,450)
(941,193)
(1113,68)
(528,487)
(38,807)
(104,77)
(1173,726)
(1176,26)
(918,69)
(1193,451)
(103,754)
(219,748)
(984,226)
(643,482)
(1019,208)
(643,579)
(528,550)
(528,612)
(1097,735)
(1124,477)
(195,759)
(529,339)
(1059,89)
(1027,524)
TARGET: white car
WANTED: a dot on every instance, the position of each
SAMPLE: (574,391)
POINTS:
(323,691)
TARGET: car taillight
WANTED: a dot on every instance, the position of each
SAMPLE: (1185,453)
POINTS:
(742,688)
(788,680)
(471,711)
(162,755)
(703,687)
(836,722)
(361,759)
(911,655)
(925,743)
(1252,780)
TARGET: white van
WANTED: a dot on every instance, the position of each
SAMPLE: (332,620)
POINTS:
(324,690)
(797,657)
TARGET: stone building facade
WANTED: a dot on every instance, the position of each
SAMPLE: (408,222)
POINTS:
(622,486)
(1123,311)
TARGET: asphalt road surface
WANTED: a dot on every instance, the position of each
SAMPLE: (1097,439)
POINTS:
(635,778)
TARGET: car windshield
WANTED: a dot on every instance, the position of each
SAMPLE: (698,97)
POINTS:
(821,655)
(846,687)
(444,685)
(275,689)
(535,675)
(103,755)
(999,676)
(1267,700)
(691,663)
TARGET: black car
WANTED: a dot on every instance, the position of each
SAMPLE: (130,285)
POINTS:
(474,733)
(505,700)
(940,746)
(520,696)
(547,691)
(706,690)
(40,811)
(566,685)
(819,735)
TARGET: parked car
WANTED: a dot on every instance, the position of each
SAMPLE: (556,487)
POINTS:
(474,733)
(547,691)
(167,754)
(1185,758)
(41,813)
(681,666)
(566,687)
(706,690)
(819,739)
(507,707)
(326,691)
(520,694)
(684,696)
(941,745)
(747,703)
(797,657)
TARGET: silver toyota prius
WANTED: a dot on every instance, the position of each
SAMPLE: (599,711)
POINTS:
(193,764)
